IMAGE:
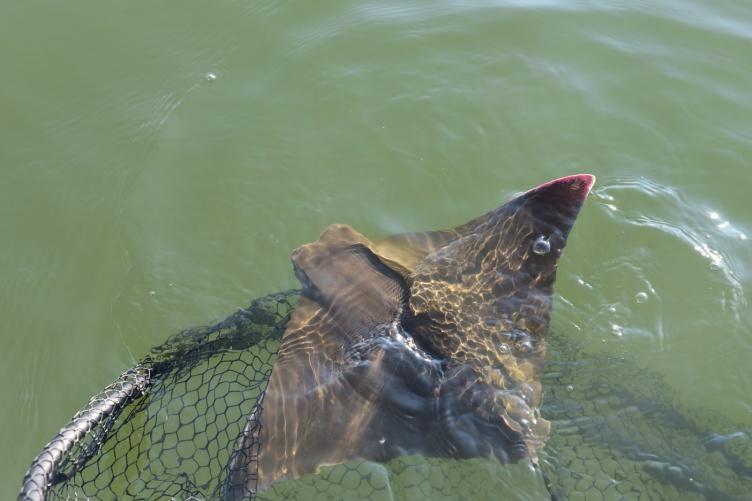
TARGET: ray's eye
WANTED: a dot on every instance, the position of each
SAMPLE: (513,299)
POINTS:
(541,245)
(525,346)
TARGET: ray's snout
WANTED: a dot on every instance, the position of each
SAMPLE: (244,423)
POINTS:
(554,205)
(571,190)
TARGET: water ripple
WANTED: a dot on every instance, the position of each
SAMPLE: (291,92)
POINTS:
(671,212)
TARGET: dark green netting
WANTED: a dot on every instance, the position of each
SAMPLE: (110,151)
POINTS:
(168,428)
(617,431)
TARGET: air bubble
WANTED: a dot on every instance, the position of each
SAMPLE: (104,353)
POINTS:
(382,441)
(541,246)
(211,76)
(152,293)
(570,387)
(504,348)
(617,330)
(641,297)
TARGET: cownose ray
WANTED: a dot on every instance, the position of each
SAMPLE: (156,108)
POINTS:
(427,343)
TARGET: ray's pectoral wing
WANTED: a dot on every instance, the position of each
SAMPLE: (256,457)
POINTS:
(326,402)
(356,287)
(409,249)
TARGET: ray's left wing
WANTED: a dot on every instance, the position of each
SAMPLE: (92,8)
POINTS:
(326,401)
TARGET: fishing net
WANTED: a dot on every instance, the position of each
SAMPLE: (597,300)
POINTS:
(169,428)
(618,432)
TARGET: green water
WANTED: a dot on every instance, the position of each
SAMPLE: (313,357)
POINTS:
(160,160)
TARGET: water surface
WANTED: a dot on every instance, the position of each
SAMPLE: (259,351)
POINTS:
(160,161)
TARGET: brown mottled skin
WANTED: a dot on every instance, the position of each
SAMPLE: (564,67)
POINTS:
(426,343)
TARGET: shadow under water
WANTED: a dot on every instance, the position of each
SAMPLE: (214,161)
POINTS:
(616,433)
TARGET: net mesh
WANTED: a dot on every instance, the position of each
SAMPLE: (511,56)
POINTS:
(169,427)
(619,432)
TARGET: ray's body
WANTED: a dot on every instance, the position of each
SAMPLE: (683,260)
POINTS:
(428,343)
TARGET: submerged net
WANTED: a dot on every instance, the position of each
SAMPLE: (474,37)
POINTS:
(169,427)
(618,432)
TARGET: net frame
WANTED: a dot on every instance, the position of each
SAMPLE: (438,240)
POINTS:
(53,465)
(83,441)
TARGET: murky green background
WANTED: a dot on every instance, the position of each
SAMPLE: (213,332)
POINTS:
(159,161)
